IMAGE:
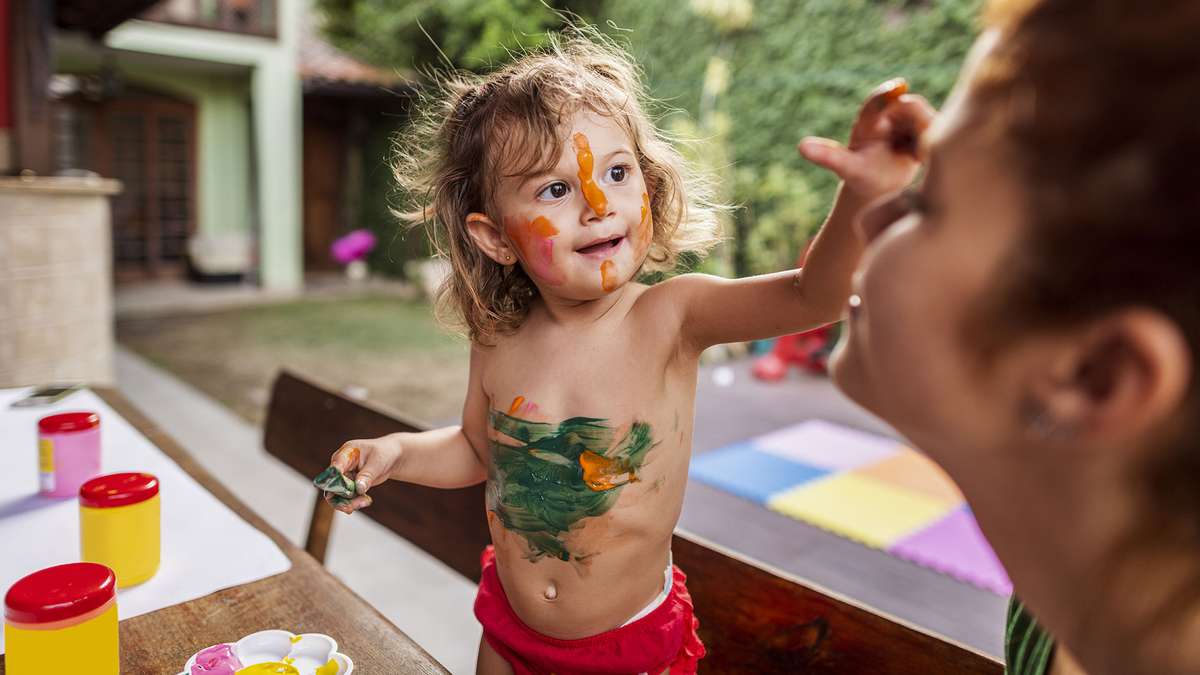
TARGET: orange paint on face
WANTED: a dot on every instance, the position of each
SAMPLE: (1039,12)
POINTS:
(608,276)
(591,192)
(646,226)
(601,473)
(516,405)
(534,240)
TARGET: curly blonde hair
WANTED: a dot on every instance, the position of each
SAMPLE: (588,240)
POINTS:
(479,129)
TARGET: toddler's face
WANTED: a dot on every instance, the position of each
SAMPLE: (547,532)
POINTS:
(583,229)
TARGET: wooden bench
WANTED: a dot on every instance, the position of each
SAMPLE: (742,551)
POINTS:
(752,618)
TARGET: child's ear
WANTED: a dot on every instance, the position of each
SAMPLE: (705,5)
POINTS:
(488,237)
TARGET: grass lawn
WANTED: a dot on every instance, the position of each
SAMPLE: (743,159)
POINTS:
(391,347)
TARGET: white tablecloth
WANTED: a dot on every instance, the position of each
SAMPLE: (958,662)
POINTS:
(205,546)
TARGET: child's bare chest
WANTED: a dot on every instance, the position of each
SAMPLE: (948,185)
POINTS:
(573,432)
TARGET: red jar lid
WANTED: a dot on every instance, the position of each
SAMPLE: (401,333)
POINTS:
(59,593)
(68,422)
(117,489)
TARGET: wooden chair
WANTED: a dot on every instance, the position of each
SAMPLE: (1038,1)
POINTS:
(752,619)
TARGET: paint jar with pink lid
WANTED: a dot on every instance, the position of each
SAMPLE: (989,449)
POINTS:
(62,619)
(68,452)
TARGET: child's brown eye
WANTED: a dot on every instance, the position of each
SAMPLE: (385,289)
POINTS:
(554,191)
(617,174)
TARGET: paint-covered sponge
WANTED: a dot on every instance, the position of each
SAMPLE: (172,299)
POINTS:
(337,484)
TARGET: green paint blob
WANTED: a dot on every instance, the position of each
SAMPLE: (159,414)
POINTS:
(536,487)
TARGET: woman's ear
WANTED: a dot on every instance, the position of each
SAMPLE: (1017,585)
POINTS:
(488,237)
(1116,380)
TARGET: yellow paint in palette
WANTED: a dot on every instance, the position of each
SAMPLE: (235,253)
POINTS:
(269,669)
(297,638)
(330,668)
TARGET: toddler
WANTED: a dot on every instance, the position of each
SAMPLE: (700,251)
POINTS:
(550,191)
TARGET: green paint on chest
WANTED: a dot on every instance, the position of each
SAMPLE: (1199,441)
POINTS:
(550,477)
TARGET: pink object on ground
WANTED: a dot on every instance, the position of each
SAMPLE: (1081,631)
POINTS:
(354,246)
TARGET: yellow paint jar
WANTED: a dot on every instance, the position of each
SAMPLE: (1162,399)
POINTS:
(62,620)
(120,525)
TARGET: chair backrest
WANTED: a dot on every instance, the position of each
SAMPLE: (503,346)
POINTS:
(752,619)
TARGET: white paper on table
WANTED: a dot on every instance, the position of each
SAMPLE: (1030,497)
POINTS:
(206,547)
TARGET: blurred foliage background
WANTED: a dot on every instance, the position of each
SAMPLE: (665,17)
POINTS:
(746,79)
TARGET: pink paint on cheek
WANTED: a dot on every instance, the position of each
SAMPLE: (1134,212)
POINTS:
(535,240)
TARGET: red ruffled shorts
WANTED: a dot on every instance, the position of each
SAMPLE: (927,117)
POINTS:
(663,639)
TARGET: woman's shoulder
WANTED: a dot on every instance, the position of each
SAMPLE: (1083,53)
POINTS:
(1028,648)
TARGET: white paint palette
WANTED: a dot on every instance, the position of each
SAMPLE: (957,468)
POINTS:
(306,654)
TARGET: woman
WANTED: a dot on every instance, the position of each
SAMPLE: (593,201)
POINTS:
(1052,254)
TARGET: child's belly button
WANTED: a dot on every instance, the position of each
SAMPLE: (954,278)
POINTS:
(551,592)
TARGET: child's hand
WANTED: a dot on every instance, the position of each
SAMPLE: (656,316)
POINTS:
(370,462)
(882,156)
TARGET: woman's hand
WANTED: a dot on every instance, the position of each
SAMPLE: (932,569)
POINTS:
(370,462)
(883,154)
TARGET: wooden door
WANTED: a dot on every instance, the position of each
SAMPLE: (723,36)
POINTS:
(151,149)
(324,162)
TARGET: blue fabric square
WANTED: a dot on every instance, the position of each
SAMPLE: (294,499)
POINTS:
(750,473)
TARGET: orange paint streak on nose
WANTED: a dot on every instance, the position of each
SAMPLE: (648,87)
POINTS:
(591,192)
(608,276)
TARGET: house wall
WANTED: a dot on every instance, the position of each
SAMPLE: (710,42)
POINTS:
(248,125)
(224,178)
(275,113)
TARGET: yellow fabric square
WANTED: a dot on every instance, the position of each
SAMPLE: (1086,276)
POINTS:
(860,508)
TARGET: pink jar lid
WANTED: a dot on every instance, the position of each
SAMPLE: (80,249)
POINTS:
(59,593)
(117,489)
(68,422)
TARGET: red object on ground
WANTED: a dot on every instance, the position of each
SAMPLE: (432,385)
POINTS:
(59,593)
(118,489)
(803,350)
(664,638)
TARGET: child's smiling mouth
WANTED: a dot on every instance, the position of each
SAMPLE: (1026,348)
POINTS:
(604,247)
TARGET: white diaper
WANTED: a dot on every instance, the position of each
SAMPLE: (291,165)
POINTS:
(668,578)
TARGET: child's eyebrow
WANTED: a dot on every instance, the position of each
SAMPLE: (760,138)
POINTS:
(618,151)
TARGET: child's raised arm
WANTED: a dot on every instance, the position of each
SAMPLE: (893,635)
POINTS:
(881,157)
(450,457)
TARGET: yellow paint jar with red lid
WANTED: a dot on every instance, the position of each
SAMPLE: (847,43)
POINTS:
(62,620)
(120,525)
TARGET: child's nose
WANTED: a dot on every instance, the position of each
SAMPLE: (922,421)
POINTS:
(596,211)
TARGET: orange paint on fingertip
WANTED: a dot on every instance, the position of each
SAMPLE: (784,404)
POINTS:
(608,276)
(350,455)
(591,192)
(893,90)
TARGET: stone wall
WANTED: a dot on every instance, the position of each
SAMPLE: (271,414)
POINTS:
(56,317)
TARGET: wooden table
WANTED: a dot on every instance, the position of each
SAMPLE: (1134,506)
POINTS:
(306,598)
